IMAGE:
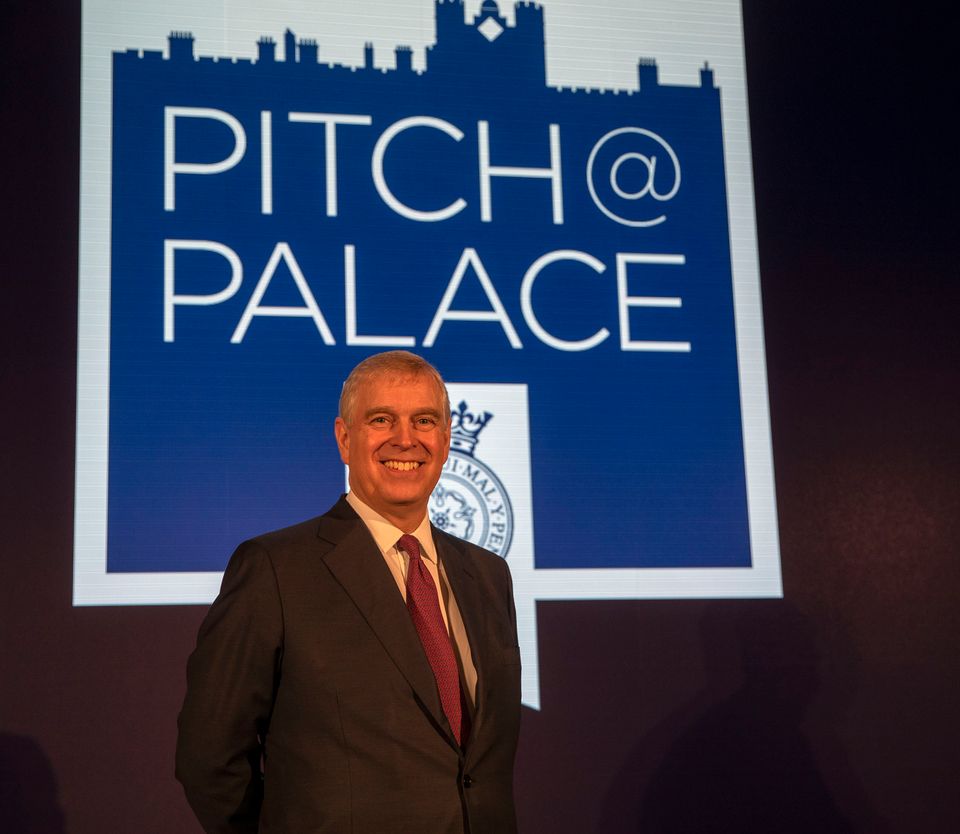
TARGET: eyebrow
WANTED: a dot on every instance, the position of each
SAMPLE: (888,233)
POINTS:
(378,409)
(386,409)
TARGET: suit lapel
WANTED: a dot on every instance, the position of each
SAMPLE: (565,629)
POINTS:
(465,590)
(357,564)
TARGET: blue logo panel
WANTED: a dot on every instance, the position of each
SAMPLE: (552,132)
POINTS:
(275,220)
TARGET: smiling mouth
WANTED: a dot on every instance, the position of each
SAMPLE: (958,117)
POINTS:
(402,465)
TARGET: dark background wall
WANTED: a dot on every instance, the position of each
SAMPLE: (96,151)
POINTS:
(834,709)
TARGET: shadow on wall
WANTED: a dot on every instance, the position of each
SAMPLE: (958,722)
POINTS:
(740,759)
(28,789)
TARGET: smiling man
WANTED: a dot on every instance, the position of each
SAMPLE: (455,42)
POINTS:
(394,433)
(359,672)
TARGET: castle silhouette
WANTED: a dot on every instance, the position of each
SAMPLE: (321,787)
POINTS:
(504,56)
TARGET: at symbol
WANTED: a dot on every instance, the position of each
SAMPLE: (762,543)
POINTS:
(649,162)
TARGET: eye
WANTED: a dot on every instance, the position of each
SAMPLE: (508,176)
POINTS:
(425,422)
(379,420)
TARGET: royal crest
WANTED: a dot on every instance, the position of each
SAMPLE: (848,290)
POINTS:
(470,501)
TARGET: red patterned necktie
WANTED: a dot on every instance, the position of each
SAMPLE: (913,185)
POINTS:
(424,607)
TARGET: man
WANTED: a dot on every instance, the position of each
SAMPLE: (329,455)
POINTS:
(359,672)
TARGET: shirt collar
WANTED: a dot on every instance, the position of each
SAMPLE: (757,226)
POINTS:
(386,534)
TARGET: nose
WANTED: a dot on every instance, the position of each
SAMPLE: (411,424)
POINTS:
(403,435)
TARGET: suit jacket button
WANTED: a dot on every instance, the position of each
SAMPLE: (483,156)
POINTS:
(467,781)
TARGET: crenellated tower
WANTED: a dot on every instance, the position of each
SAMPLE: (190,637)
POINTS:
(181,46)
(648,75)
(404,56)
(309,51)
(450,19)
(487,47)
(266,50)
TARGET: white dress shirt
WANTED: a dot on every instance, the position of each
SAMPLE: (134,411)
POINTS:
(386,536)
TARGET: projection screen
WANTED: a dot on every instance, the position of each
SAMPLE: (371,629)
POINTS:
(552,202)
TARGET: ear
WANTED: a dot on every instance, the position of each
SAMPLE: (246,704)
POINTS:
(343,439)
(446,443)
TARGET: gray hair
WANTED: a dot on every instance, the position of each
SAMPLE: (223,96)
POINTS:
(400,363)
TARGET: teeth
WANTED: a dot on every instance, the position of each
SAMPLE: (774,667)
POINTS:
(401,465)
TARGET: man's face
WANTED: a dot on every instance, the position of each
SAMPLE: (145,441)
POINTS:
(395,444)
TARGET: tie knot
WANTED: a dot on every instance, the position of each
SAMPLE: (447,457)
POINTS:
(410,545)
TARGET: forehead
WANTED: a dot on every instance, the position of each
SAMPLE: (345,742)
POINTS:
(399,392)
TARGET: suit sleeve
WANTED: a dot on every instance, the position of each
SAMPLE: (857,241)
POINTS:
(511,605)
(508,596)
(231,681)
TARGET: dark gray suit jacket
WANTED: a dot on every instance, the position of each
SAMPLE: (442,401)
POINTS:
(308,658)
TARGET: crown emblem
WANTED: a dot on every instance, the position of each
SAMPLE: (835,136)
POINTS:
(465,427)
